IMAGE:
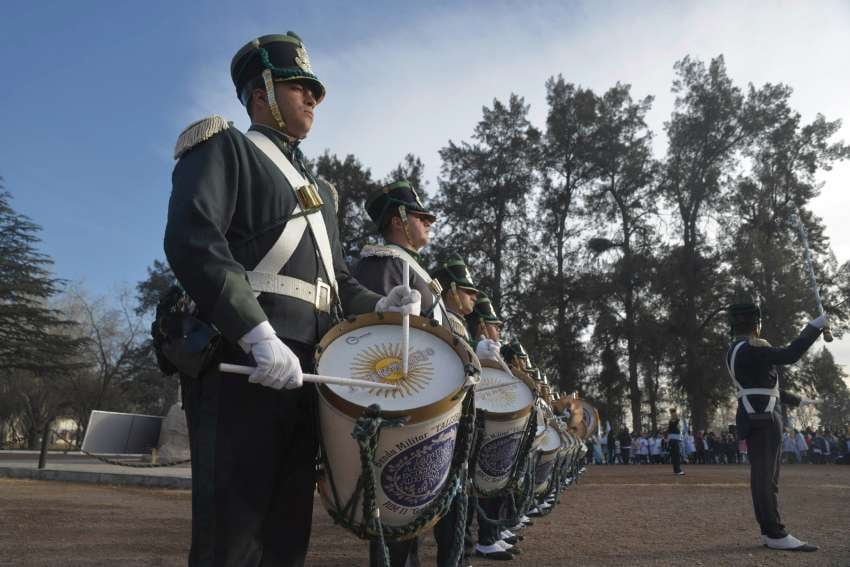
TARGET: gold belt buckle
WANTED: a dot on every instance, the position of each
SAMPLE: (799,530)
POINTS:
(308,197)
(323,296)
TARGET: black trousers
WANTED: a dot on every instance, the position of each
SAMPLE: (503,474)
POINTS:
(488,531)
(676,455)
(253,467)
(764,446)
(402,553)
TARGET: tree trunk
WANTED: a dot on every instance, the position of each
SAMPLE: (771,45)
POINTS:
(45,441)
(651,386)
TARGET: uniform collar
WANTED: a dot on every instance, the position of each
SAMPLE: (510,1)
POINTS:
(413,253)
(290,148)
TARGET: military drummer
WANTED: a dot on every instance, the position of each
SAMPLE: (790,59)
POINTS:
(252,236)
(404,223)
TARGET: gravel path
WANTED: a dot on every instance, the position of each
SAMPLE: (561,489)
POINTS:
(619,515)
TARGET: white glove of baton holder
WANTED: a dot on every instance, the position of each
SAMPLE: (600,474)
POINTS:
(401,300)
(820,322)
(277,365)
(487,349)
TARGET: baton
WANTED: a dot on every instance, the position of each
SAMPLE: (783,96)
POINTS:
(405,322)
(796,219)
(315,378)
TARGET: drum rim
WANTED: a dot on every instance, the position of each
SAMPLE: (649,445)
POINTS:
(414,415)
(505,416)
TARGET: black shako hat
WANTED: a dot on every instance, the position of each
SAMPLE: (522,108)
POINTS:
(484,309)
(454,271)
(483,312)
(512,351)
(284,55)
(381,204)
(743,313)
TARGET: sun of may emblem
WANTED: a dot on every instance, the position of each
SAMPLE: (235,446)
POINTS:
(302,59)
(382,363)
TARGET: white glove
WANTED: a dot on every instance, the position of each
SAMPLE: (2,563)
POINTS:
(810,402)
(487,349)
(820,322)
(401,300)
(277,365)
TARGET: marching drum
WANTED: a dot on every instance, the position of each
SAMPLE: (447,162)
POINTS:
(548,455)
(506,411)
(412,462)
(584,418)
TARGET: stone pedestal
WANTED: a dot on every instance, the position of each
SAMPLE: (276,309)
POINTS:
(174,436)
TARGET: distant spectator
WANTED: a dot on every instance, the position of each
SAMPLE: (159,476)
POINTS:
(802,447)
(625,445)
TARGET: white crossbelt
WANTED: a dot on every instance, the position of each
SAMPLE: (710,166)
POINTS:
(744,392)
(265,276)
(319,293)
(440,307)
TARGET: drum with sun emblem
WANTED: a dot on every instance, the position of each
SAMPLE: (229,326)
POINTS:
(505,411)
(412,461)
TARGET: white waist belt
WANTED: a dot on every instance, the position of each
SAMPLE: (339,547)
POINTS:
(317,294)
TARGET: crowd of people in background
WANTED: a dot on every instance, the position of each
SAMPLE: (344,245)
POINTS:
(807,446)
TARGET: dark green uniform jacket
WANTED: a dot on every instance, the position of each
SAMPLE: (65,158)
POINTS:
(380,271)
(228,206)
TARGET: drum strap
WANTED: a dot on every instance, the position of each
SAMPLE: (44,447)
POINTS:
(282,250)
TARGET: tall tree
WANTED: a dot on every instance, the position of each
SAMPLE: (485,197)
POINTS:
(707,129)
(622,195)
(567,169)
(30,330)
(764,251)
(825,379)
(35,346)
(483,199)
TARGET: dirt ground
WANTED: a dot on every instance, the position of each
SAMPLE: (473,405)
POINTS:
(619,515)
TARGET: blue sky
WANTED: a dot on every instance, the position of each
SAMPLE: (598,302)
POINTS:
(95,93)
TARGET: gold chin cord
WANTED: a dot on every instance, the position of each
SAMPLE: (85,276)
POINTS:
(402,213)
(275,109)
(455,296)
(269,82)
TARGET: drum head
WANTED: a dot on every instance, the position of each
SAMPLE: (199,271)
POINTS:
(551,440)
(369,348)
(512,399)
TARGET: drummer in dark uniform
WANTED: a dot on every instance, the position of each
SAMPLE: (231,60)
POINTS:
(458,292)
(756,370)
(252,237)
(404,223)
(486,327)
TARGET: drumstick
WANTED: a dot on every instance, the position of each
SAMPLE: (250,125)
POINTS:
(494,386)
(405,321)
(316,378)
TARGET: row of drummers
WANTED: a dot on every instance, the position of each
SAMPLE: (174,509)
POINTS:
(471,430)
